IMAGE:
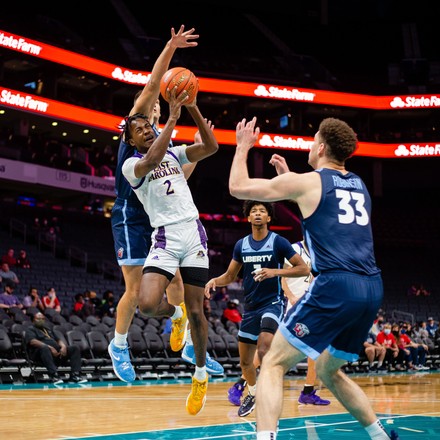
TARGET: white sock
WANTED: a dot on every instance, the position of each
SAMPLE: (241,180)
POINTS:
(120,339)
(189,340)
(266,435)
(200,373)
(178,312)
(252,389)
(376,431)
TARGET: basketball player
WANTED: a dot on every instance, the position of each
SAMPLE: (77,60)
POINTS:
(130,224)
(179,239)
(331,321)
(294,289)
(261,254)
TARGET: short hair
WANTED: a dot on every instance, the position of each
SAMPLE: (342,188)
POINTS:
(249,204)
(125,126)
(339,137)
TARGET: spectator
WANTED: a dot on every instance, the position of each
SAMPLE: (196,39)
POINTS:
(7,298)
(23,260)
(207,308)
(50,300)
(386,339)
(421,335)
(432,327)
(32,299)
(9,258)
(231,313)
(374,351)
(79,304)
(377,324)
(221,294)
(414,354)
(46,349)
(8,274)
(108,305)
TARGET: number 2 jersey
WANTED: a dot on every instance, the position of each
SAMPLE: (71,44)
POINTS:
(164,191)
(338,234)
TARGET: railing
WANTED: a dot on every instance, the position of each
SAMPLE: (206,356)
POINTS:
(17,227)
(77,257)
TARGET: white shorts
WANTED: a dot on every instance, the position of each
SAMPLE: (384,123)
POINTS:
(179,245)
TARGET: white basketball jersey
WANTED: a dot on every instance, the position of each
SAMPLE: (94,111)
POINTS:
(164,191)
(299,285)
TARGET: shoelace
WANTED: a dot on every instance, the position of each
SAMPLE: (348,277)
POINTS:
(199,391)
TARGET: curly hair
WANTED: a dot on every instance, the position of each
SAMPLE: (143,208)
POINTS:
(249,204)
(125,126)
(339,137)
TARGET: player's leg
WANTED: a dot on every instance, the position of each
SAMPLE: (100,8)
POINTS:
(269,398)
(249,372)
(199,326)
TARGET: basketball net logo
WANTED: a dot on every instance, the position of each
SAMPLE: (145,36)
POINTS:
(301,330)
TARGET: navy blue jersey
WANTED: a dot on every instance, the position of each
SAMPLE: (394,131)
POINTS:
(338,234)
(122,187)
(253,254)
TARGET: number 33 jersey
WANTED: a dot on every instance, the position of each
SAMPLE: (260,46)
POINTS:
(338,234)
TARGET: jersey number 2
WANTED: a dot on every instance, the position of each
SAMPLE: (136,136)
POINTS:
(357,214)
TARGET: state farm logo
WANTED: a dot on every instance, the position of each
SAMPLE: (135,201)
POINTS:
(284,93)
(417,150)
(414,102)
(282,142)
(130,77)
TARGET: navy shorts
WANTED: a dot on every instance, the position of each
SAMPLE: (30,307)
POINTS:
(131,233)
(335,314)
(251,324)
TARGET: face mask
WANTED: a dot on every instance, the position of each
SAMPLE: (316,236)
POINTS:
(387,331)
(403,331)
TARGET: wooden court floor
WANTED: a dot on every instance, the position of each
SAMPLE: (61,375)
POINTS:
(408,402)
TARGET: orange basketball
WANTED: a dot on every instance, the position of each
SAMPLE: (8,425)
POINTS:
(181,77)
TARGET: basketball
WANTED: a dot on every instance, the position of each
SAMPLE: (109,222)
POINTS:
(184,79)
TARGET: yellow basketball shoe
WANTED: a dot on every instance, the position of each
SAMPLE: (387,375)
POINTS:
(197,397)
(179,330)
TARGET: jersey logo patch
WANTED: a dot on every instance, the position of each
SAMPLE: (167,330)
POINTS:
(200,254)
(120,252)
(301,330)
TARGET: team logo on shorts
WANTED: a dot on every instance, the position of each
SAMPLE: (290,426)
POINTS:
(120,252)
(301,330)
(200,254)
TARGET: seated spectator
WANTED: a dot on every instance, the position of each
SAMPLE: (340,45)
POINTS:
(50,300)
(207,308)
(374,351)
(387,340)
(23,260)
(78,305)
(46,349)
(108,305)
(32,299)
(377,324)
(221,294)
(9,258)
(414,354)
(432,327)
(8,274)
(231,313)
(7,298)
(95,302)
(421,335)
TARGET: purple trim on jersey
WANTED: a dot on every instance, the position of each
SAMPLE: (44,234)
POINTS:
(175,157)
(140,183)
(137,154)
(160,239)
(202,234)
